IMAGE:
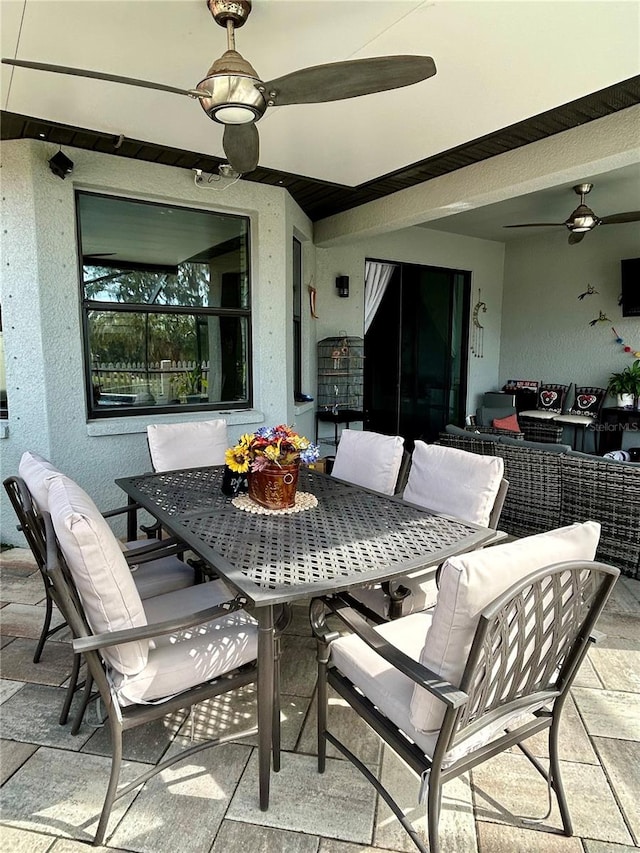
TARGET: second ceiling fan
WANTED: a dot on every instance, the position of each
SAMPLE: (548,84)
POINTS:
(232,93)
(583,219)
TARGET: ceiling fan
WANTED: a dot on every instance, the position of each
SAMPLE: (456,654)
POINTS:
(583,219)
(233,94)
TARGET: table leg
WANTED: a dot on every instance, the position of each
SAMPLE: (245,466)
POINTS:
(266,650)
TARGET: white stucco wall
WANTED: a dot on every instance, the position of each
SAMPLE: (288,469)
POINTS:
(483,258)
(41,310)
(545,327)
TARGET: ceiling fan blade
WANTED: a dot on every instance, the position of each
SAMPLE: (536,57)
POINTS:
(96,75)
(631,216)
(338,80)
(242,146)
(576,237)
(535,225)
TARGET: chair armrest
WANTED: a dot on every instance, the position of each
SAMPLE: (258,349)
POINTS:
(120,510)
(448,693)
(157,629)
(154,551)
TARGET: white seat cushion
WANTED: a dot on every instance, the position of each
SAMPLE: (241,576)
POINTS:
(369,459)
(423,594)
(472,581)
(157,577)
(188,445)
(575,420)
(454,482)
(34,469)
(99,570)
(187,658)
(538,413)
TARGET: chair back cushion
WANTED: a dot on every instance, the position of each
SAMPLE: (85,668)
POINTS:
(454,482)
(100,572)
(369,459)
(472,581)
(34,469)
(187,445)
(551,398)
(588,401)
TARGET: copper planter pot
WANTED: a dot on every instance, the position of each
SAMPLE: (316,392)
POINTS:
(274,487)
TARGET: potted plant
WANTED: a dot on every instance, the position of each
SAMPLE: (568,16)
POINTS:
(271,459)
(625,385)
(633,376)
(190,385)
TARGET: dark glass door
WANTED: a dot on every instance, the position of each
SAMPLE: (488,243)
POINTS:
(416,353)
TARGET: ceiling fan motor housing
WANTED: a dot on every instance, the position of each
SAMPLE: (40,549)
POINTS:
(235,98)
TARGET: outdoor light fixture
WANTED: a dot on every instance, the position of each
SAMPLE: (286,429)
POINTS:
(61,165)
(342,285)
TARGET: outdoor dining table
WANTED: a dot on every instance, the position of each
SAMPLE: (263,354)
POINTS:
(352,538)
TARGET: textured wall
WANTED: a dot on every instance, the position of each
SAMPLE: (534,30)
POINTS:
(41,310)
(545,327)
(421,246)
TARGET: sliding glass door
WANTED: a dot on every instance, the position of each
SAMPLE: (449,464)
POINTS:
(416,353)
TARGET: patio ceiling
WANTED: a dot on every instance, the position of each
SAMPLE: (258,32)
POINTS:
(508,74)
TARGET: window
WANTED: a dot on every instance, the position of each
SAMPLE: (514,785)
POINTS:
(166,307)
(297,318)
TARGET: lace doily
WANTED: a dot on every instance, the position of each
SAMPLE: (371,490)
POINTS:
(303,501)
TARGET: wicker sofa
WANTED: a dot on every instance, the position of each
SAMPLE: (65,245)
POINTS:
(551,485)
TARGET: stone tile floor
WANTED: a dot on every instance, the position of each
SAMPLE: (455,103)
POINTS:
(53,783)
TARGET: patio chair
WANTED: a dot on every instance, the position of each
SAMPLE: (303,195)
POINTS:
(448,481)
(369,459)
(193,444)
(147,659)
(584,412)
(155,572)
(487,669)
(550,402)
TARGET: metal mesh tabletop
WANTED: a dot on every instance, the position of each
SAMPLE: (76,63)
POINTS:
(353,537)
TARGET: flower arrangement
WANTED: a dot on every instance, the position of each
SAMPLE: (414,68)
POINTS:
(278,445)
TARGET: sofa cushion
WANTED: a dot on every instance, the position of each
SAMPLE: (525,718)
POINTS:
(451,429)
(34,470)
(99,570)
(509,423)
(369,459)
(485,415)
(472,581)
(454,482)
(547,447)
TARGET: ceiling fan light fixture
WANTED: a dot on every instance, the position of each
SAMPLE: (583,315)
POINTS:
(234,98)
(582,219)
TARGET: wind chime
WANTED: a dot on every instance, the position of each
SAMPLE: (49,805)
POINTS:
(477,329)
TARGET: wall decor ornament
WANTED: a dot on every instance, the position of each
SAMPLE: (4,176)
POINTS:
(477,330)
(625,347)
(588,292)
(601,318)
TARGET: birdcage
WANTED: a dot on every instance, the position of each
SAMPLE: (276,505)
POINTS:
(340,373)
